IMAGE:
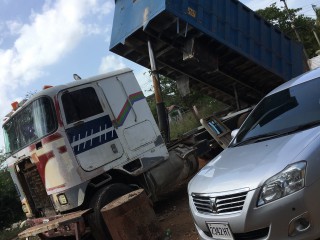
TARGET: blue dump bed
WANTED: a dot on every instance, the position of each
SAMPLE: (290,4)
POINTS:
(221,45)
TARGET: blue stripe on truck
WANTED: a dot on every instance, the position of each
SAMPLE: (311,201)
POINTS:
(91,134)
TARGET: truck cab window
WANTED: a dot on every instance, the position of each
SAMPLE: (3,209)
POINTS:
(80,104)
(31,123)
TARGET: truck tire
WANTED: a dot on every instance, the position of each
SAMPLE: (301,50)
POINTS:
(101,198)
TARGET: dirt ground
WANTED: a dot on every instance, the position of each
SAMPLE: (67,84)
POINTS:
(174,215)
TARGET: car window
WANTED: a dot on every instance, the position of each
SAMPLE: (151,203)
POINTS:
(283,111)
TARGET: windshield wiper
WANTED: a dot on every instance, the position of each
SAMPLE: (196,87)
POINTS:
(258,138)
(304,126)
(267,136)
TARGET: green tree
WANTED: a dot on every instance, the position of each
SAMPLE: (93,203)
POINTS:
(170,93)
(171,96)
(304,25)
(317,11)
(10,206)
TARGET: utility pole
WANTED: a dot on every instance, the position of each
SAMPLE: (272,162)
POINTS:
(316,36)
(295,30)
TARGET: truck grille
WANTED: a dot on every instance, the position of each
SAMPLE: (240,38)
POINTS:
(230,203)
(36,189)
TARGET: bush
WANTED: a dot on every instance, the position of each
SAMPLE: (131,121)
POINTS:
(10,234)
(10,206)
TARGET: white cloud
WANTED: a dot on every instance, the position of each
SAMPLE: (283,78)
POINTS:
(93,29)
(44,40)
(111,63)
(107,7)
(40,43)
(2,26)
(14,27)
(107,33)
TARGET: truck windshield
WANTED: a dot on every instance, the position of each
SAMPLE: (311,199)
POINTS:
(284,112)
(32,123)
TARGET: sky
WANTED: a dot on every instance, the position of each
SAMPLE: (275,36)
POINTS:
(44,42)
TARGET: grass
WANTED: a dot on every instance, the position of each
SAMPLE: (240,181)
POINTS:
(189,121)
(13,234)
(10,234)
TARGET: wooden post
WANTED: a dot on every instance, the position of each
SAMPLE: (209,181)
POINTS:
(132,217)
(196,112)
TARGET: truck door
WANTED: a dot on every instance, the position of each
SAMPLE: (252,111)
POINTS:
(89,127)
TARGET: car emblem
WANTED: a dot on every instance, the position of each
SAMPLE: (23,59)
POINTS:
(213,205)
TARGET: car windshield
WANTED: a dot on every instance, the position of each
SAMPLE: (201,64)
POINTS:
(32,123)
(283,112)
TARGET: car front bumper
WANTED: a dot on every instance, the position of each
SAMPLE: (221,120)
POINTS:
(296,216)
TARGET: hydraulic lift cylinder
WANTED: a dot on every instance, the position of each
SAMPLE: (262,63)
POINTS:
(161,109)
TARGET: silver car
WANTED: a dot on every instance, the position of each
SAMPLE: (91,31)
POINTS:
(266,184)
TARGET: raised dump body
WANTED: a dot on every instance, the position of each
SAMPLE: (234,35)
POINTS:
(219,45)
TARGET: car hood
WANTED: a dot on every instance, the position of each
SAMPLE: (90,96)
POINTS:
(249,166)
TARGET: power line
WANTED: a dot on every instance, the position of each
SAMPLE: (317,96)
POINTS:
(309,5)
(310,10)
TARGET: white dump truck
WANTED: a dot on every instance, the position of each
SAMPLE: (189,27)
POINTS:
(78,146)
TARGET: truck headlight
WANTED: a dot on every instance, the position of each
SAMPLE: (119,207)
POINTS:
(25,208)
(288,181)
(62,199)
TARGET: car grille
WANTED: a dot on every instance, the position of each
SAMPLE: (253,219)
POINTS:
(230,203)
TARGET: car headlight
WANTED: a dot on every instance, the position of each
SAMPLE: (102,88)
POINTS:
(288,181)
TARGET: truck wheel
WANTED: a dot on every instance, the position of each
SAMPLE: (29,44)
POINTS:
(101,198)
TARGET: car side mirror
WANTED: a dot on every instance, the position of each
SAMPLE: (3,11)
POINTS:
(234,133)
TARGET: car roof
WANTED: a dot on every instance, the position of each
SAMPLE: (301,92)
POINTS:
(305,77)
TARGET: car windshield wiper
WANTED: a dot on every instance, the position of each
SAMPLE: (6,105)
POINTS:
(304,126)
(258,138)
(267,136)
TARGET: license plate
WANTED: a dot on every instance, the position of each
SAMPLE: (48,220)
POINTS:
(220,231)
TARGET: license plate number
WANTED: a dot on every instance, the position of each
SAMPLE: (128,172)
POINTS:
(220,231)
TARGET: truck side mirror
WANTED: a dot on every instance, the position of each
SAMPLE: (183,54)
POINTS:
(234,133)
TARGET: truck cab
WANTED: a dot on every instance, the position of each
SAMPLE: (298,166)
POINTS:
(69,143)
